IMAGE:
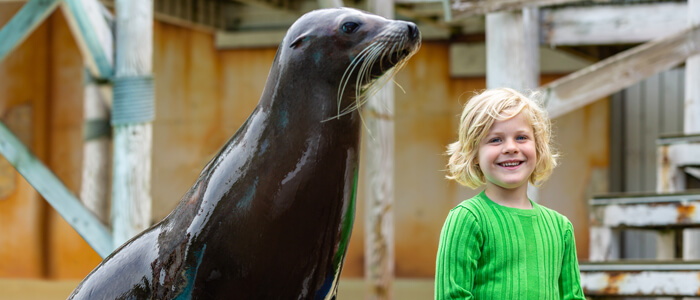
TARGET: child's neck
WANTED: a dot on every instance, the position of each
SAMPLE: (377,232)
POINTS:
(516,198)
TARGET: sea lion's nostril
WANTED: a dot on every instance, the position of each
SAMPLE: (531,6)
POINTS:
(413,31)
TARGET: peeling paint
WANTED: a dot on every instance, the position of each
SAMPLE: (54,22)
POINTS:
(644,283)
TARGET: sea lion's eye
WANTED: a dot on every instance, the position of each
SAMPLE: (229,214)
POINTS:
(349,27)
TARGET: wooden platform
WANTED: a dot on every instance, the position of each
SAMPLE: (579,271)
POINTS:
(641,278)
(349,289)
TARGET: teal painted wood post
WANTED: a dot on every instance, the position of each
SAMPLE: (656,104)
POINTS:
(132,116)
(23,23)
(52,189)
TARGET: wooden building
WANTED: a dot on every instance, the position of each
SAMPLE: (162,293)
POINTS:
(210,62)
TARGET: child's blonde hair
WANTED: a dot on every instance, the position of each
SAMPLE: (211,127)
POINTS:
(479,114)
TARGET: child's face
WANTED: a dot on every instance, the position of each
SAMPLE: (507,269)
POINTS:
(507,154)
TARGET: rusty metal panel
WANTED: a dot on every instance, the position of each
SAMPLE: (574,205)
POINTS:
(641,279)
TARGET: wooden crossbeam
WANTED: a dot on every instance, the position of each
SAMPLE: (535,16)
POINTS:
(673,278)
(53,190)
(93,35)
(460,9)
(618,72)
(23,24)
(612,24)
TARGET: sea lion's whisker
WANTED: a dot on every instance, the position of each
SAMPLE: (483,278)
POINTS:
(346,76)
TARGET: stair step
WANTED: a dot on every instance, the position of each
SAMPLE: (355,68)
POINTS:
(678,139)
(647,210)
(641,278)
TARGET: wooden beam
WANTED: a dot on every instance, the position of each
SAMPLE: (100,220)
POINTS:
(379,183)
(93,35)
(618,24)
(24,23)
(469,60)
(254,39)
(507,31)
(330,3)
(647,211)
(618,72)
(51,188)
(465,8)
(132,114)
(673,278)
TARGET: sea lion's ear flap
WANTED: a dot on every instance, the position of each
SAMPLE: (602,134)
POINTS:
(298,41)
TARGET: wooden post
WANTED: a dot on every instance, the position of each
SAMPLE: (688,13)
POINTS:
(512,50)
(132,114)
(379,186)
(512,54)
(94,187)
(691,121)
(91,26)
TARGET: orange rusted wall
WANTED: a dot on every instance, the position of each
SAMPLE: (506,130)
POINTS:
(23,102)
(202,96)
(67,254)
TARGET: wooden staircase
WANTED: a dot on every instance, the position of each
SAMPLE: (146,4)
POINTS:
(675,208)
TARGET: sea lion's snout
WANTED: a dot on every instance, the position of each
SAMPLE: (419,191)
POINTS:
(413,32)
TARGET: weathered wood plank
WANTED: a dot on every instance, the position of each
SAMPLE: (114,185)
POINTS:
(133,135)
(507,68)
(93,35)
(51,188)
(379,186)
(23,23)
(650,211)
(460,9)
(608,24)
(618,72)
(641,279)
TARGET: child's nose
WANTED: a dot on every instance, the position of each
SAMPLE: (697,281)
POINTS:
(510,146)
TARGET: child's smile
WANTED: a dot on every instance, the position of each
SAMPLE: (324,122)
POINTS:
(507,154)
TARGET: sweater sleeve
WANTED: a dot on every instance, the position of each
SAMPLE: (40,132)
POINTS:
(570,278)
(458,254)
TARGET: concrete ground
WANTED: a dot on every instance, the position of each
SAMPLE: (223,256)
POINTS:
(349,289)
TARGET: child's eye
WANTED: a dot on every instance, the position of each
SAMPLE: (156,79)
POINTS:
(522,137)
(494,140)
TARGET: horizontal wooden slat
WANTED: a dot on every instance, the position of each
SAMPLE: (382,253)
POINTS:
(460,9)
(55,192)
(612,24)
(678,139)
(647,211)
(645,198)
(641,279)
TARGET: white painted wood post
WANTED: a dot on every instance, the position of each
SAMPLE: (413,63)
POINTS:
(379,183)
(691,121)
(512,54)
(512,50)
(131,183)
(95,182)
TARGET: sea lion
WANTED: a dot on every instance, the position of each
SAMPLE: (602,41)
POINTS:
(270,215)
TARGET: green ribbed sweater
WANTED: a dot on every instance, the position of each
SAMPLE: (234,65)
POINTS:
(489,251)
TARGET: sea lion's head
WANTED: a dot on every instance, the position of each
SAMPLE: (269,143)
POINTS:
(349,49)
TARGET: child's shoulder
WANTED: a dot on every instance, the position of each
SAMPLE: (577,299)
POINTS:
(556,216)
(474,206)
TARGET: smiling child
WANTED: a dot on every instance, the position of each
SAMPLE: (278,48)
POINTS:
(500,244)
